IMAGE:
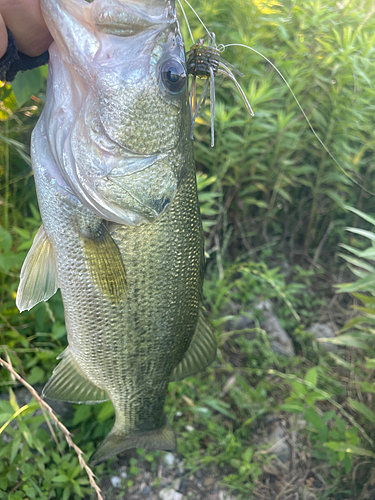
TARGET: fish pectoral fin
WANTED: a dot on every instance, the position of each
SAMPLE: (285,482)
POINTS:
(117,442)
(201,351)
(38,279)
(103,260)
(68,383)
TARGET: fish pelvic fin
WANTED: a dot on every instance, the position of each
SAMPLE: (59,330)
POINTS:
(38,274)
(201,351)
(68,383)
(117,442)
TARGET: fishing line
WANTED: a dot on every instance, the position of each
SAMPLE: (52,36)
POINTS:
(222,47)
(186,20)
(304,115)
(197,16)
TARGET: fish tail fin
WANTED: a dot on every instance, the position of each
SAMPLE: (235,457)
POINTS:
(116,442)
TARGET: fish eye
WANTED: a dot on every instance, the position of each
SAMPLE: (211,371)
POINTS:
(173,76)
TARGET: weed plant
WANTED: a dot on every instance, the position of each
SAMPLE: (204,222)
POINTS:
(273,206)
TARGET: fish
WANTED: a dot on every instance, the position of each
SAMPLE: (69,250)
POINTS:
(122,236)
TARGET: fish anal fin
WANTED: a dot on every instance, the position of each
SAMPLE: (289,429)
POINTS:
(201,351)
(117,442)
(68,383)
(38,274)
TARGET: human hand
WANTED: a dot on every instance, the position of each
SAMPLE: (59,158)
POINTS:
(25,21)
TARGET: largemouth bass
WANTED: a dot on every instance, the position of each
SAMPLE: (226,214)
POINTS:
(122,237)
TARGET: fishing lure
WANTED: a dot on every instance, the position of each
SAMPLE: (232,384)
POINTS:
(205,62)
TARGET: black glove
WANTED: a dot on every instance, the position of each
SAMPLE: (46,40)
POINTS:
(13,60)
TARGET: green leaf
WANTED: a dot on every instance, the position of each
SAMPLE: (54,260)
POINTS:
(358,262)
(345,448)
(15,446)
(313,418)
(6,408)
(15,496)
(360,285)
(364,216)
(365,298)
(362,409)
(362,232)
(312,376)
(27,84)
(203,181)
(26,433)
(8,260)
(367,387)
(81,414)
(345,340)
(62,478)
(3,483)
(13,401)
(340,361)
(36,375)
(9,104)
(76,488)
(220,406)
(299,388)
(293,407)
(66,494)
(5,240)
(106,412)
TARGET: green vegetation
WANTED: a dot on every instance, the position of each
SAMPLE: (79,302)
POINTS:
(282,223)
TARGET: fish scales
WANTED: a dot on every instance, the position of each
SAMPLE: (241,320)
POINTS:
(122,235)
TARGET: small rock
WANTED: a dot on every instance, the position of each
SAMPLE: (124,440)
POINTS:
(183,486)
(177,484)
(325,330)
(224,495)
(279,446)
(301,423)
(169,494)
(122,472)
(116,481)
(279,340)
(308,495)
(169,460)
(146,491)
(266,307)
(181,467)
(241,322)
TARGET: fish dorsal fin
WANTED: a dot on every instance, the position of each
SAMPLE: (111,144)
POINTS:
(38,274)
(68,383)
(201,352)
